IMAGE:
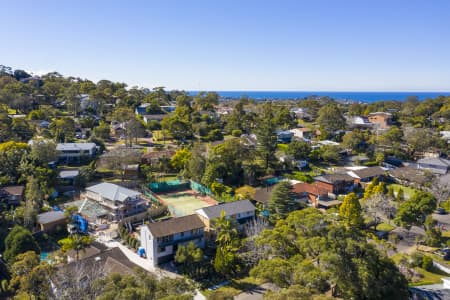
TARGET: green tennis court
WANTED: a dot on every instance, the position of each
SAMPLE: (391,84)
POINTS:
(185,202)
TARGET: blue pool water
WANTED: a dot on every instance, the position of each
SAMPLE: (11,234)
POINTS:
(272,181)
(44,256)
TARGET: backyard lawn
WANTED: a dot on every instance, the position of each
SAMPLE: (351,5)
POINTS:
(428,277)
(385,227)
(407,191)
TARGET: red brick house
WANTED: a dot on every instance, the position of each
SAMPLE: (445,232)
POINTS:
(312,191)
(335,183)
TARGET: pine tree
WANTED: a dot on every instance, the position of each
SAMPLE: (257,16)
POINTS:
(282,202)
(266,136)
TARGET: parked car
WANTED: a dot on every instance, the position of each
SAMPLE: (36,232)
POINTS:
(441,211)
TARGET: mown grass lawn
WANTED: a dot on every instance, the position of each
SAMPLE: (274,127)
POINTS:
(385,227)
(407,191)
(428,277)
(282,147)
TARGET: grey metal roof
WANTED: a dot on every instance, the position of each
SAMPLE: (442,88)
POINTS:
(230,208)
(112,191)
(50,217)
(75,146)
(435,161)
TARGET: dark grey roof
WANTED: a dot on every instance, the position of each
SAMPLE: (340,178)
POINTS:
(332,178)
(50,217)
(175,225)
(262,195)
(230,209)
(409,174)
(369,172)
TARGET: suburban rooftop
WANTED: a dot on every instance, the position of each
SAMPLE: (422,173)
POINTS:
(230,209)
(112,191)
(75,146)
(175,225)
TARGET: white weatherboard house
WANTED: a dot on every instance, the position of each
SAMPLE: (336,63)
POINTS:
(75,152)
(161,240)
(120,202)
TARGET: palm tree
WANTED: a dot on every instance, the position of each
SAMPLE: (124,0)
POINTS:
(226,231)
(75,242)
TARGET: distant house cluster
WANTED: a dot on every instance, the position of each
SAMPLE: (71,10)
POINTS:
(375,120)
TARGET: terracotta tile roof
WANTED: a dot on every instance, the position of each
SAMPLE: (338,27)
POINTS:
(175,225)
(314,189)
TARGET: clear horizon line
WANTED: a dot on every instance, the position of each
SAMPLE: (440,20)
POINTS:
(321,91)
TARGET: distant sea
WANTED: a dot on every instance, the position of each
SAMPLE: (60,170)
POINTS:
(344,96)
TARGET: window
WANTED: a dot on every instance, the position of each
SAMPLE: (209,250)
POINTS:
(195,231)
(161,249)
(165,239)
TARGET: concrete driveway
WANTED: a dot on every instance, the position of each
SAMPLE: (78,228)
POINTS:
(443,221)
(257,293)
(408,242)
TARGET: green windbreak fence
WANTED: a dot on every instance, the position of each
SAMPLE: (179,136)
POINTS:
(179,185)
(199,188)
(169,186)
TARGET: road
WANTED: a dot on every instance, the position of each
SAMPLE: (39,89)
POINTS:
(443,220)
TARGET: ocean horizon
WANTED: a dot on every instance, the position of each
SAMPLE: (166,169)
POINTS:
(340,96)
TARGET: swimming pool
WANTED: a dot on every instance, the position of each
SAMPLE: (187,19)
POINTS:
(44,256)
(273,180)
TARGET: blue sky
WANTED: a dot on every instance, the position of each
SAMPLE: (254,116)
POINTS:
(317,45)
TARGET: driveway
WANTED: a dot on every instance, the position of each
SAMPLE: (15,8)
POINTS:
(443,221)
(408,243)
(257,293)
